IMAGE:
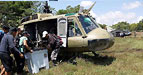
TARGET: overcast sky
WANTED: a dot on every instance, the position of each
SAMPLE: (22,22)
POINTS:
(107,11)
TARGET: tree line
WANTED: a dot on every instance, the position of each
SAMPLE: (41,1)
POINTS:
(126,26)
(12,12)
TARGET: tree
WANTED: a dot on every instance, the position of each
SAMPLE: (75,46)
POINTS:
(133,27)
(121,26)
(103,26)
(139,26)
(69,9)
(12,12)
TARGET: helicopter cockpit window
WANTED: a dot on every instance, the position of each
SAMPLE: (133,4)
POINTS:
(73,28)
(87,23)
(77,30)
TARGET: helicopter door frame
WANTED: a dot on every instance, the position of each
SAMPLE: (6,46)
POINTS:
(75,38)
(62,29)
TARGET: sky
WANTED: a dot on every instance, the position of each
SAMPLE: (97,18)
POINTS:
(106,11)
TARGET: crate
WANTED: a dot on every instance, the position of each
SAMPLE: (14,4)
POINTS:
(36,60)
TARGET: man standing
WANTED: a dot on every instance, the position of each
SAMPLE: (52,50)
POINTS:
(5,30)
(7,47)
(19,61)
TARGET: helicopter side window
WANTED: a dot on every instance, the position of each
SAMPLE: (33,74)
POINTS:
(73,28)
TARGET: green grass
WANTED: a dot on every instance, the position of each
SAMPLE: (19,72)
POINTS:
(124,58)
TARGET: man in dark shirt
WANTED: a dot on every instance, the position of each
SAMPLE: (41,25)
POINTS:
(53,45)
(18,59)
(7,47)
(5,30)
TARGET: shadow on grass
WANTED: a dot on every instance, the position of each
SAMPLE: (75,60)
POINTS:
(126,50)
(98,60)
(25,72)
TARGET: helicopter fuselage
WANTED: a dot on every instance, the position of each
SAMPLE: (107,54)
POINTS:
(79,32)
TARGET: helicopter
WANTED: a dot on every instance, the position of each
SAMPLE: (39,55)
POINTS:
(78,31)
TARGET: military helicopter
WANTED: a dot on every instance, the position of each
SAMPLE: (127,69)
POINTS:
(79,31)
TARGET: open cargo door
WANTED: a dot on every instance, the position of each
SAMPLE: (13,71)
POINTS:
(62,29)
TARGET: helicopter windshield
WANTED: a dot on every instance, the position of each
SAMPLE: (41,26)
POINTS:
(87,23)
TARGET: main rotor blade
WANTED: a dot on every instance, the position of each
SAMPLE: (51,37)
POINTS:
(90,8)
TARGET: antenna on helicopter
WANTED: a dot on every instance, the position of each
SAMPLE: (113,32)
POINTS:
(87,12)
(47,8)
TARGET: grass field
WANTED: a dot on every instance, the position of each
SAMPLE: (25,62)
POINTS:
(124,58)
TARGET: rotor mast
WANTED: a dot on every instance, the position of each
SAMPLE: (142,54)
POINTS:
(47,8)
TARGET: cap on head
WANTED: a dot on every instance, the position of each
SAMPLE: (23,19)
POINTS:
(13,29)
(25,32)
(44,33)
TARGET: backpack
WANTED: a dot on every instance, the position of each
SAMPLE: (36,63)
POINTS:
(58,40)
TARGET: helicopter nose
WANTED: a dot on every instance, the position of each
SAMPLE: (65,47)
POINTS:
(100,44)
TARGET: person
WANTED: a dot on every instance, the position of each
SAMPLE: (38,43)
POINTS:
(17,38)
(7,47)
(23,47)
(19,61)
(5,30)
(2,70)
(23,43)
(53,45)
(71,30)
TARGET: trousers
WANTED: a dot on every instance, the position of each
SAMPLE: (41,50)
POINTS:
(20,62)
(55,53)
